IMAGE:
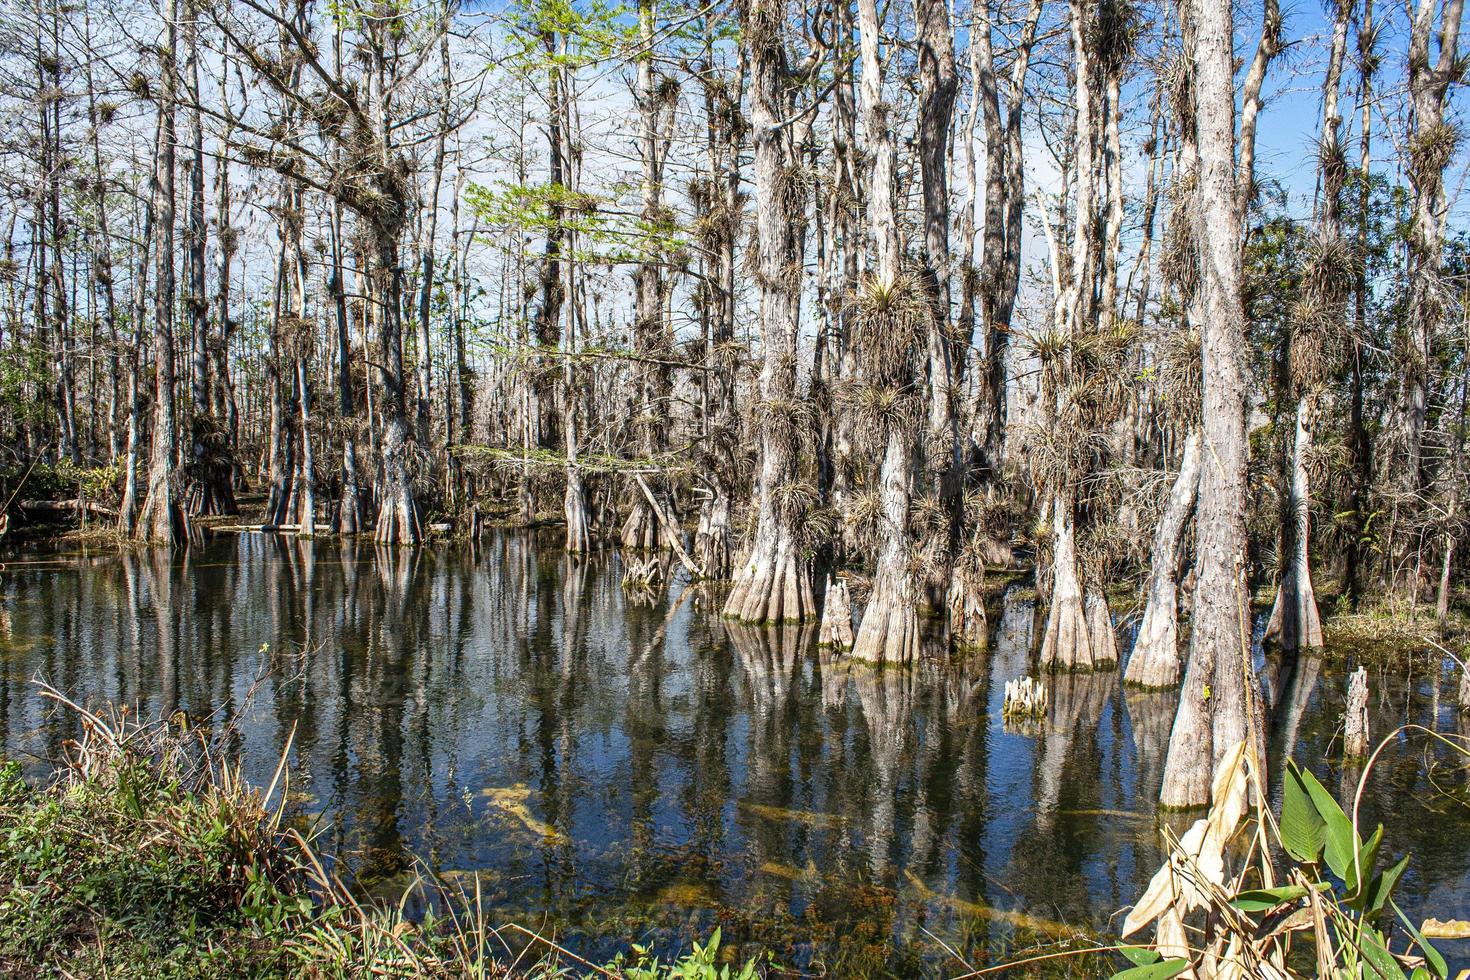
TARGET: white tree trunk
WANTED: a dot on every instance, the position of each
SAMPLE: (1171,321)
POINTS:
(1355,718)
(1218,706)
(1066,644)
(1155,661)
(1295,622)
(836,629)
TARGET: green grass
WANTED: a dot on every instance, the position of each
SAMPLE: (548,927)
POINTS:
(145,855)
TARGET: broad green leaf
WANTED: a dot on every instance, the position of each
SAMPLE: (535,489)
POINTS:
(1431,955)
(1140,955)
(1341,840)
(1380,962)
(1261,899)
(1162,970)
(1302,828)
(1378,892)
(1368,856)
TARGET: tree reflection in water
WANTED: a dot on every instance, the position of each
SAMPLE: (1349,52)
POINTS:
(650,768)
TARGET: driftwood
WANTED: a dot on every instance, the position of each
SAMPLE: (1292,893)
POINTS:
(671,529)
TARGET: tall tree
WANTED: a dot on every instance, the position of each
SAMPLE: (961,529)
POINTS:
(1217,706)
(773,581)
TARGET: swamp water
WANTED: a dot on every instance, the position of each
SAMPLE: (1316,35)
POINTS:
(619,770)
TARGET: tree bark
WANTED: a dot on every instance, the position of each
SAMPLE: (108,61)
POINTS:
(1218,704)
(773,583)
(653,339)
(1156,661)
(889,631)
(1429,154)
(162,519)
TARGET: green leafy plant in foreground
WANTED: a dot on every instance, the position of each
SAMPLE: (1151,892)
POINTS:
(1336,893)
(701,963)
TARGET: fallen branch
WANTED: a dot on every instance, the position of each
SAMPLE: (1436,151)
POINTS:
(77,507)
(671,529)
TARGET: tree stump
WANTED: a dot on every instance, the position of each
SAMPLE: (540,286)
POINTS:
(1025,698)
(836,629)
(1355,720)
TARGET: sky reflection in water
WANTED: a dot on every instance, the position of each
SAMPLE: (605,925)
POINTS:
(648,770)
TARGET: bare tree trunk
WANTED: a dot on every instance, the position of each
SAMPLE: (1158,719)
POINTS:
(102,259)
(209,471)
(712,544)
(1156,661)
(1358,442)
(52,311)
(352,509)
(1355,718)
(424,394)
(1218,706)
(1067,644)
(279,466)
(653,339)
(1430,149)
(836,628)
(398,517)
(889,631)
(574,502)
(162,518)
(1000,276)
(127,511)
(1295,622)
(1321,314)
(398,520)
(1267,48)
(938,85)
(773,583)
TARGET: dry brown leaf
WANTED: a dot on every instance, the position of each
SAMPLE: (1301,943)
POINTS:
(1198,859)
(1452,929)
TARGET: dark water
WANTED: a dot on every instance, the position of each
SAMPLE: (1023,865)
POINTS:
(647,770)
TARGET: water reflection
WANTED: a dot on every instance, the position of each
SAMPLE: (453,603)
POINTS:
(646,769)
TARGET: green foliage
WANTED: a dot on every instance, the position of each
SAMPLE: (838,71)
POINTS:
(701,963)
(1337,894)
(24,377)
